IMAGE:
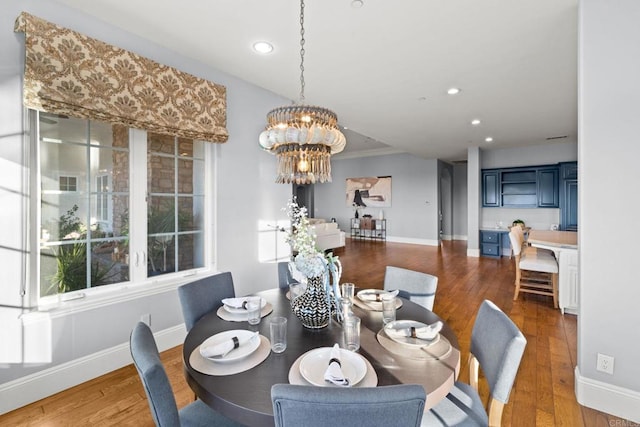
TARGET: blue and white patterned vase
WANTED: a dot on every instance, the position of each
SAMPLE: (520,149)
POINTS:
(312,307)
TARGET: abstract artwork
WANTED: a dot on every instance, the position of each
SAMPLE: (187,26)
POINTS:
(374,192)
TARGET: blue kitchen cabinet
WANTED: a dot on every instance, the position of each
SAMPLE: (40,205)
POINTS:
(522,187)
(492,242)
(547,189)
(569,196)
(490,188)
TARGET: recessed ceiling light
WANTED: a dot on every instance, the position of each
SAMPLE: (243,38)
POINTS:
(488,139)
(475,122)
(357,4)
(453,91)
(263,47)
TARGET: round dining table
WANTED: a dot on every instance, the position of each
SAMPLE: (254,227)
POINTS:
(246,396)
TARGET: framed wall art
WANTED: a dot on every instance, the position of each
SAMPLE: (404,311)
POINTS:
(373,192)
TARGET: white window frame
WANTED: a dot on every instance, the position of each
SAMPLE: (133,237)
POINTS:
(139,284)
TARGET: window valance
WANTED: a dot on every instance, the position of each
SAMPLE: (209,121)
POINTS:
(69,73)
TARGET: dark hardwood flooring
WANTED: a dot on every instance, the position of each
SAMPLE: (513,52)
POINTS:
(543,394)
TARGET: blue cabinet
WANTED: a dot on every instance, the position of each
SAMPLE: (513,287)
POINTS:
(548,192)
(523,187)
(491,189)
(491,242)
(569,196)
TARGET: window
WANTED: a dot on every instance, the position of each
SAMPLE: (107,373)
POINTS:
(68,183)
(94,210)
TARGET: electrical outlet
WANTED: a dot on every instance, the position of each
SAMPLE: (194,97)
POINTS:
(605,364)
(146,318)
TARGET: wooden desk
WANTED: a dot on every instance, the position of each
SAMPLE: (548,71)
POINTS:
(564,245)
(246,397)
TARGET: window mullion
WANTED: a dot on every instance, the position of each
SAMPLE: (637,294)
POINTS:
(138,204)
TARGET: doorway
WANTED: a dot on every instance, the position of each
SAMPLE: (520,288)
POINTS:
(304,194)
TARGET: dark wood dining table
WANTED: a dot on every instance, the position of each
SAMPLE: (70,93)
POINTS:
(246,397)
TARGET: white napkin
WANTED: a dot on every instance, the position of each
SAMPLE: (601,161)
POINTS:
(334,374)
(373,295)
(240,302)
(428,332)
(221,348)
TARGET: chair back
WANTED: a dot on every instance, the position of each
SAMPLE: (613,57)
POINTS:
(308,406)
(284,275)
(413,285)
(516,243)
(498,345)
(154,378)
(203,296)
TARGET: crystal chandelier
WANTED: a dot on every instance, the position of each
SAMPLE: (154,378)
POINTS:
(302,136)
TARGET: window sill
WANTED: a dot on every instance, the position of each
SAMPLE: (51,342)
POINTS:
(91,299)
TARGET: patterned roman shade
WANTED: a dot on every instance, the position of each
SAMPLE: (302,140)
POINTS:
(69,73)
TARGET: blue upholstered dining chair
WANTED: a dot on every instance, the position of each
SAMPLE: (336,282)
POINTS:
(497,346)
(158,389)
(284,275)
(413,285)
(202,296)
(386,406)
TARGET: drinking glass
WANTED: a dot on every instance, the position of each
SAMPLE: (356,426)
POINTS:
(348,290)
(253,311)
(295,290)
(388,309)
(278,329)
(351,328)
(346,307)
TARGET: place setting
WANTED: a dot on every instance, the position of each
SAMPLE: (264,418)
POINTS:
(230,352)
(244,309)
(414,340)
(332,367)
(372,299)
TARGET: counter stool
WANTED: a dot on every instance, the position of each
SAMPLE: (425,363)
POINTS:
(536,271)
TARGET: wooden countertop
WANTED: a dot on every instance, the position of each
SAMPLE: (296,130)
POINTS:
(559,239)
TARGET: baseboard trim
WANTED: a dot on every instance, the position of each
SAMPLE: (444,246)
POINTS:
(473,253)
(609,398)
(410,240)
(23,391)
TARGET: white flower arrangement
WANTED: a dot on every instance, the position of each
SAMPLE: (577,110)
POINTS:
(310,261)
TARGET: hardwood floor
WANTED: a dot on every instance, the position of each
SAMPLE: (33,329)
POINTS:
(543,394)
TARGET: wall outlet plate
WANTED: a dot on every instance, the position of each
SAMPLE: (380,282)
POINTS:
(605,363)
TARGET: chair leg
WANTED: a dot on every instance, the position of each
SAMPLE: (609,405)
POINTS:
(554,281)
(518,278)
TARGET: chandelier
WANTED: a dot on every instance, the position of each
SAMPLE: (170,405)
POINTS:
(303,137)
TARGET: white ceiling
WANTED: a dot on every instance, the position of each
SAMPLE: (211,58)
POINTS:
(385,68)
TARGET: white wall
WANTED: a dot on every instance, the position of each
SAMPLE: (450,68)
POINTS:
(541,154)
(246,195)
(412,217)
(460,201)
(609,107)
(474,189)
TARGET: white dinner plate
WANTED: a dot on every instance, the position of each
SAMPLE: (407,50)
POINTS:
(314,364)
(414,342)
(234,355)
(234,310)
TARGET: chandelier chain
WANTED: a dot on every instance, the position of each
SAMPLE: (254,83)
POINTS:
(302,51)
